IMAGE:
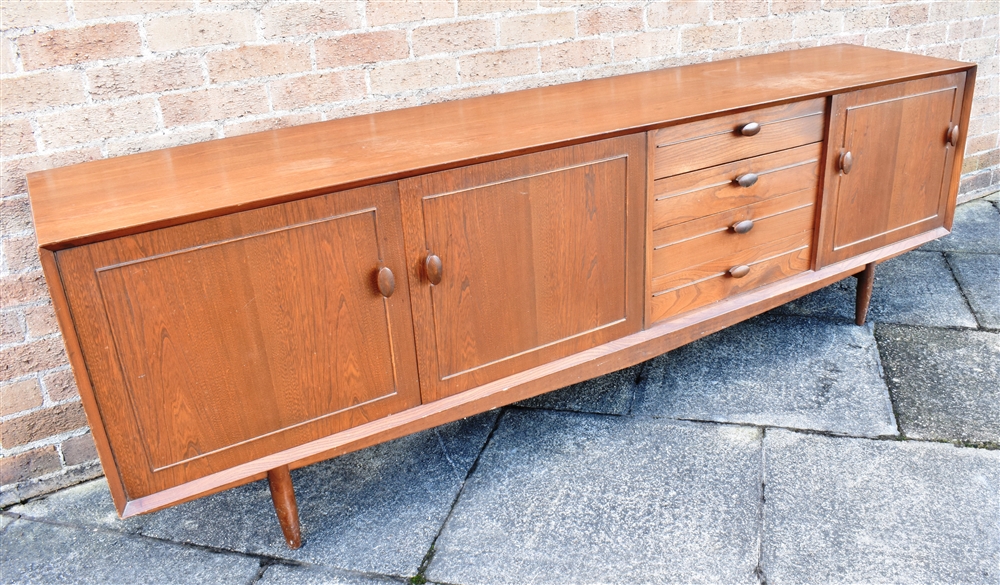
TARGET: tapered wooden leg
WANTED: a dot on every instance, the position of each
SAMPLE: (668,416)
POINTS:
(866,281)
(283,496)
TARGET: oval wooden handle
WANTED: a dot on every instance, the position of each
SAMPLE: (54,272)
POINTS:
(953,134)
(750,129)
(846,162)
(432,265)
(739,271)
(747,180)
(742,227)
(386,282)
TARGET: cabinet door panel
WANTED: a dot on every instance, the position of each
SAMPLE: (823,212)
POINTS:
(540,260)
(240,336)
(898,185)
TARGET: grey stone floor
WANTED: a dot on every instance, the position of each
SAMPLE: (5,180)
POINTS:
(792,448)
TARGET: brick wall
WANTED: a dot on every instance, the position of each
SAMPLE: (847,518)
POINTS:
(86,79)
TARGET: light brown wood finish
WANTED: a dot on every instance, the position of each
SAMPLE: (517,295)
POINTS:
(120,196)
(697,194)
(681,149)
(541,256)
(239,336)
(866,284)
(898,183)
(279,480)
(621,353)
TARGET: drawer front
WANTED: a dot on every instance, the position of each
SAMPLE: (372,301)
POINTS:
(695,242)
(685,148)
(693,195)
(721,284)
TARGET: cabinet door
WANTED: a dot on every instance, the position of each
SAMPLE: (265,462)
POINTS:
(219,342)
(897,183)
(541,256)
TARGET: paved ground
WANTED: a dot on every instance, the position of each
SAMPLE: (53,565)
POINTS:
(793,448)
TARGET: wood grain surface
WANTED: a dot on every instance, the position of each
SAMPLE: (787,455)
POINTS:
(220,341)
(100,199)
(899,182)
(541,256)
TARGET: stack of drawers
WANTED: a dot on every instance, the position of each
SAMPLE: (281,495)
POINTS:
(733,204)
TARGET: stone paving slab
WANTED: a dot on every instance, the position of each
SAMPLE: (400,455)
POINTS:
(916,288)
(376,510)
(609,394)
(994,197)
(979,277)
(311,575)
(848,511)
(976,229)
(573,498)
(35,552)
(776,371)
(945,383)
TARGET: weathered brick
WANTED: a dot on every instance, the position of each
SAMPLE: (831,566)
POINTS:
(982,8)
(866,18)
(24,287)
(947,10)
(927,34)
(20,396)
(908,15)
(136,78)
(77,45)
(893,38)
(572,54)
(977,144)
(15,214)
(257,61)
(676,12)
(977,49)
(20,253)
(781,7)
(367,47)
(248,127)
(90,9)
(467,7)
(26,13)
(964,29)
(657,43)
(17,137)
(35,356)
(409,75)
(42,424)
(12,329)
(609,19)
(729,10)
(132,145)
(79,449)
(843,38)
(25,93)
(318,88)
(499,64)
(394,11)
(991,26)
(13,179)
(216,103)
(816,24)
(293,19)
(91,123)
(7,57)
(533,28)
(975,182)
(183,31)
(29,465)
(453,37)
(709,37)
(945,51)
(753,32)
(41,321)
(60,386)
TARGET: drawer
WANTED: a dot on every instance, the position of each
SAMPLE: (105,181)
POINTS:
(706,143)
(696,242)
(692,195)
(720,284)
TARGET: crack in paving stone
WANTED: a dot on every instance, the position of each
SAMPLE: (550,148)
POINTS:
(759,569)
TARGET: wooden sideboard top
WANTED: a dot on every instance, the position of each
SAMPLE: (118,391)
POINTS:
(108,198)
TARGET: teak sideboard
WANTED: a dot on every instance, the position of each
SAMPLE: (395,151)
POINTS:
(241,307)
